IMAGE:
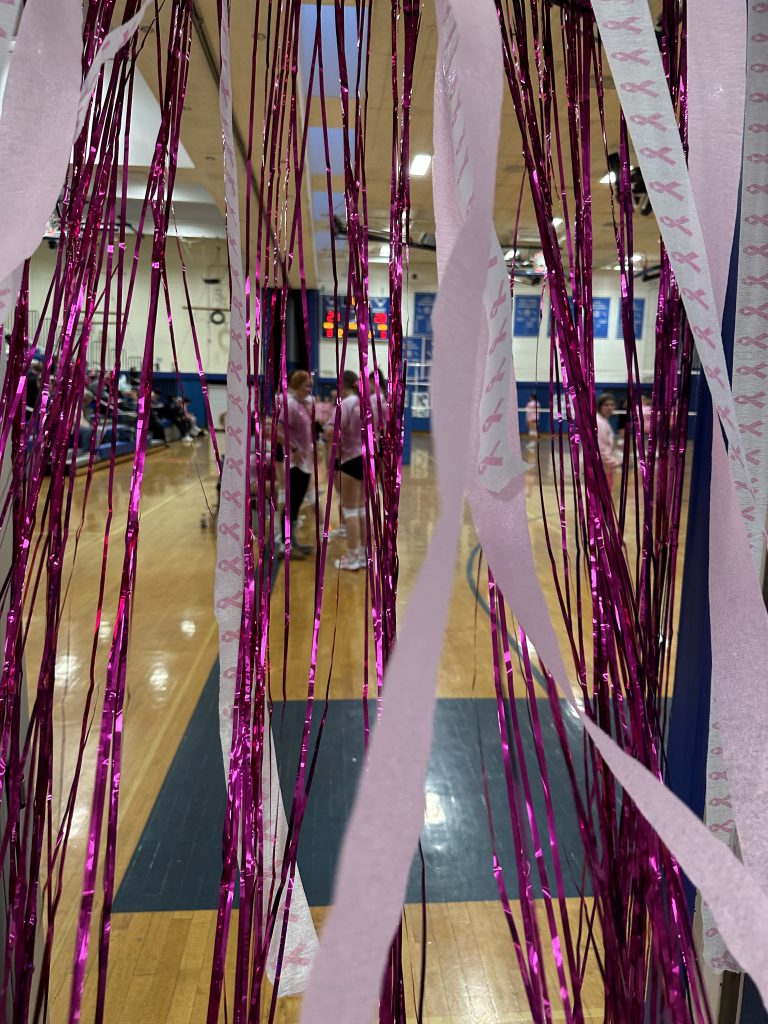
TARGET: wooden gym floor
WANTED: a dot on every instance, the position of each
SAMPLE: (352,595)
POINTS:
(170,822)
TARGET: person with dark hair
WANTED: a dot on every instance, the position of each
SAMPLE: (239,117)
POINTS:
(325,410)
(350,466)
(606,438)
(296,421)
(379,405)
(171,407)
(33,384)
(156,413)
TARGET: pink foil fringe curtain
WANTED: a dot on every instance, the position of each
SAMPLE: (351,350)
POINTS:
(613,558)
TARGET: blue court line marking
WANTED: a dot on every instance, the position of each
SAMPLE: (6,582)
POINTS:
(537,675)
(177,863)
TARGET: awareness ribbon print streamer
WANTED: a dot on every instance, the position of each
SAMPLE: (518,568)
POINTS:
(739,626)
(389,806)
(750,353)
(630,42)
(716,91)
(301,940)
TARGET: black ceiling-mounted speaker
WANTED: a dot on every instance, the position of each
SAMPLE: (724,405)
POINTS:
(586,5)
(576,5)
(640,199)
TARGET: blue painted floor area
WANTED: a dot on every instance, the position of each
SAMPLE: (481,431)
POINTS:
(177,862)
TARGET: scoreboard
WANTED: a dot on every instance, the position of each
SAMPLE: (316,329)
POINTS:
(378,320)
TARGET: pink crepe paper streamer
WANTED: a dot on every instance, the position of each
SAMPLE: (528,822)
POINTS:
(716,86)
(43,89)
(389,808)
(234,513)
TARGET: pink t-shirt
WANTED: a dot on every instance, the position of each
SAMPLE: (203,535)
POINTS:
(299,433)
(379,428)
(324,412)
(647,416)
(606,440)
(350,440)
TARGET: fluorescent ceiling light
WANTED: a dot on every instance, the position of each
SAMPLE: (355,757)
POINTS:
(420,164)
(637,258)
(608,179)
(384,250)
(510,254)
(557,222)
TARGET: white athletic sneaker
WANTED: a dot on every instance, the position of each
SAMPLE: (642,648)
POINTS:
(350,563)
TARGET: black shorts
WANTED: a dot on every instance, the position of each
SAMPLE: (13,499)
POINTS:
(353,467)
(279,452)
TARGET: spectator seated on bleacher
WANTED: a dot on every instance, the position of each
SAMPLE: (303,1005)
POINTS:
(34,380)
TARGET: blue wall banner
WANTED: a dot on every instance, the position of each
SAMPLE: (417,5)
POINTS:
(601,313)
(526,316)
(422,313)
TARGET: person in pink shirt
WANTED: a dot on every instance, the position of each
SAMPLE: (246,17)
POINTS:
(606,438)
(379,416)
(350,466)
(325,410)
(647,415)
(379,405)
(296,421)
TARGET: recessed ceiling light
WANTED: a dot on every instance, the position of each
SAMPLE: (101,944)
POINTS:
(384,250)
(557,222)
(608,179)
(420,164)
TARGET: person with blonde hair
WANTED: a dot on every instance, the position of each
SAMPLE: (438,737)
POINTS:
(350,466)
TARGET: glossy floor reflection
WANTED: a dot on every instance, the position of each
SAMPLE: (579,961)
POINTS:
(177,862)
(172,795)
